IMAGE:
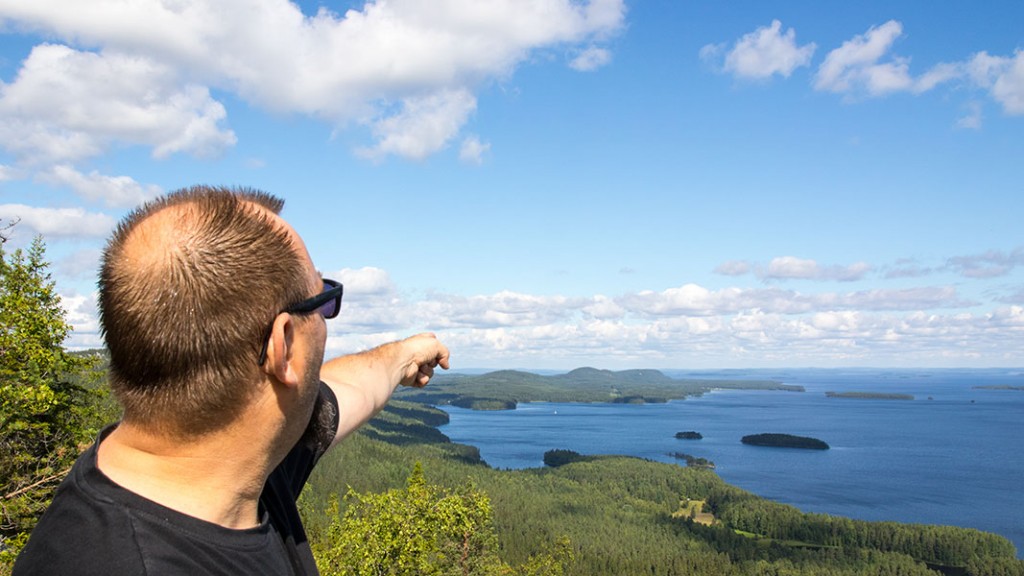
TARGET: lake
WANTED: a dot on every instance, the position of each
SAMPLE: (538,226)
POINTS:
(950,456)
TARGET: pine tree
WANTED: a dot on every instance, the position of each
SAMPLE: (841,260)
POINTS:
(43,410)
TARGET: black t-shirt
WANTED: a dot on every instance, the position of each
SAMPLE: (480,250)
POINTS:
(96,527)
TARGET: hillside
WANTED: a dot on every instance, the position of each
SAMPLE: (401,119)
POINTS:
(503,389)
(629,516)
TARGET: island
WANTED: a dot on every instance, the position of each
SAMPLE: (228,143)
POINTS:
(869,395)
(785,441)
(999,387)
(690,435)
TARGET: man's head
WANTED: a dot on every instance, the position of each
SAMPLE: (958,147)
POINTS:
(189,284)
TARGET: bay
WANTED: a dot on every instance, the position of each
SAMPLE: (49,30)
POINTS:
(951,456)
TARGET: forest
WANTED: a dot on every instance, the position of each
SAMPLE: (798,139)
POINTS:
(398,497)
(623,515)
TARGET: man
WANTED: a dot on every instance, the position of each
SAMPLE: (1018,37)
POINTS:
(214,317)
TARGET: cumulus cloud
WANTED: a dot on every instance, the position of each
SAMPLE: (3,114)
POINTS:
(908,268)
(429,58)
(763,53)
(733,268)
(789,268)
(473,150)
(686,326)
(422,127)
(58,222)
(504,308)
(695,300)
(856,62)
(990,264)
(114,191)
(857,66)
(866,66)
(1003,77)
(66,105)
(366,281)
(592,58)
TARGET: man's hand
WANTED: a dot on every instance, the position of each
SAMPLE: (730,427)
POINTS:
(425,352)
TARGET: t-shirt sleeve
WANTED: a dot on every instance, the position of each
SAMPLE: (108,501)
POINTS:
(296,467)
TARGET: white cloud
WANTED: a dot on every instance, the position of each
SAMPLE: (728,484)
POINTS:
(733,268)
(686,326)
(865,66)
(765,52)
(473,150)
(991,264)
(697,301)
(422,127)
(973,119)
(604,308)
(591,59)
(1003,77)
(58,222)
(114,191)
(789,267)
(66,105)
(504,308)
(83,264)
(366,281)
(857,66)
(343,68)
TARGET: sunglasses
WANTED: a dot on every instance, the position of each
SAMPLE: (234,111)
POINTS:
(327,303)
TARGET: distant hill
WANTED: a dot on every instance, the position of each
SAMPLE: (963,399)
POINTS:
(869,395)
(503,389)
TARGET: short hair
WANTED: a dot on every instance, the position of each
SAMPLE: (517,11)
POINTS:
(188,286)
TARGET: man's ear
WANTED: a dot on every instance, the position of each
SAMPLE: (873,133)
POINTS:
(281,351)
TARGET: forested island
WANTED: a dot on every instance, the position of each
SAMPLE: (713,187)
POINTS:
(689,435)
(785,441)
(869,395)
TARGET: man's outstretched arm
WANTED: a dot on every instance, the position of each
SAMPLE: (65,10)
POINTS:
(364,382)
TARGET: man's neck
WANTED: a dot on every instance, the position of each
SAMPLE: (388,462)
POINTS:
(217,478)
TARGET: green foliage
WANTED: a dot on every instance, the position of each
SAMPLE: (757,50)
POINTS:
(622,517)
(501,390)
(559,457)
(422,529)
(47,395)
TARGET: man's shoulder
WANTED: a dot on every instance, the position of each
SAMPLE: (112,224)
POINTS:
(77,533)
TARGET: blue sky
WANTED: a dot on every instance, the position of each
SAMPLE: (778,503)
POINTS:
(553,184)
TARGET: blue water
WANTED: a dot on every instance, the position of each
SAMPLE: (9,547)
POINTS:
(952,459)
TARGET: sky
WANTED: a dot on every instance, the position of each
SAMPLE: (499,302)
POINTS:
(551,184)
